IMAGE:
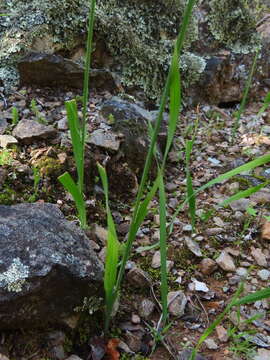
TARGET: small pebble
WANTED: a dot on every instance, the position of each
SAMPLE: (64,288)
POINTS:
(264,274)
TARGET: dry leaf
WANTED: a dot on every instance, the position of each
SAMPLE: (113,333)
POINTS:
(266,230)
(111,351)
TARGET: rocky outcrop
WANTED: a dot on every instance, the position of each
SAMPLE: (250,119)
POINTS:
(47,266)
(135,38)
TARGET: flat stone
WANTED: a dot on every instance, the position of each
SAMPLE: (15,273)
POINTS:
(6,140)
(3,125)
(105,139)
(225,261)
(207,266)
(198,286)
(222,333)
(177,301)
(210,344)
(262,354)
(47,266)
(259,256)
(193,246)
(264,274)
(62,124)
(138,278)
(240,205)
(28,131)
(101,233)
(156,262)
(146,308)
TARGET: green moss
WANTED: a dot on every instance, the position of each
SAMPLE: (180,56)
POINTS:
(232,22)
(48,166)
(7,196)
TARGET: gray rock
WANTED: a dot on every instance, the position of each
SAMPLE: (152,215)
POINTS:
(207,266)
(222,334)
(177,301)
(210,344)
(264,274)
(259,256)
(193,246)
(240,205)
(262,354)
(3,125)
(28,131)
(54,70)
(225,261)
(47,266)
(131,121)
(146,308)
(73,357)
(6,140)
(138,278)
(62,124)
(185,355)
(105,139)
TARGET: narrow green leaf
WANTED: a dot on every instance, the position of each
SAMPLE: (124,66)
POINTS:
(163,247)
(251,298)
(112,252)
(75,132)
(175,101)
(216,322)
(265,104)
(246,167)
(149,157)
(243,194)
(70,186)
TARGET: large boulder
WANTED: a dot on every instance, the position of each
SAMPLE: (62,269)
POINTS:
(135,40)
(47,266)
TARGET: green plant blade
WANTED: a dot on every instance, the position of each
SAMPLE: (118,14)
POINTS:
(112,252)
(215,323)
(175,102)
(265,104)
(149,157)
(70,186)
(163,247)
(251,298)
(75,132)
(243,194)
(246,167)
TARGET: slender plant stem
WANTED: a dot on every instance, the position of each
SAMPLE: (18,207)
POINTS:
(179,45)
(245,95)
(86,89)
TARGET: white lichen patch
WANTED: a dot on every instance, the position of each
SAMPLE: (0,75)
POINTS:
(15,276)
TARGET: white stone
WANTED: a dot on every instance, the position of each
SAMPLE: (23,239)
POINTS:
(264,274)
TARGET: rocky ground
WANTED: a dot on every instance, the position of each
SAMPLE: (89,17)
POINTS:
(205,268)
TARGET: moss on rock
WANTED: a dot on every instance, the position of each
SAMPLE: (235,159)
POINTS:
(140,35)
(233,23)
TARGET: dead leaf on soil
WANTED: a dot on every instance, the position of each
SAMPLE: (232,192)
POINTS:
(255,139)
(111,351)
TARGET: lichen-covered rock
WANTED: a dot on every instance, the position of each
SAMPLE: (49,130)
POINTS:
(135,39)
(47,266)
